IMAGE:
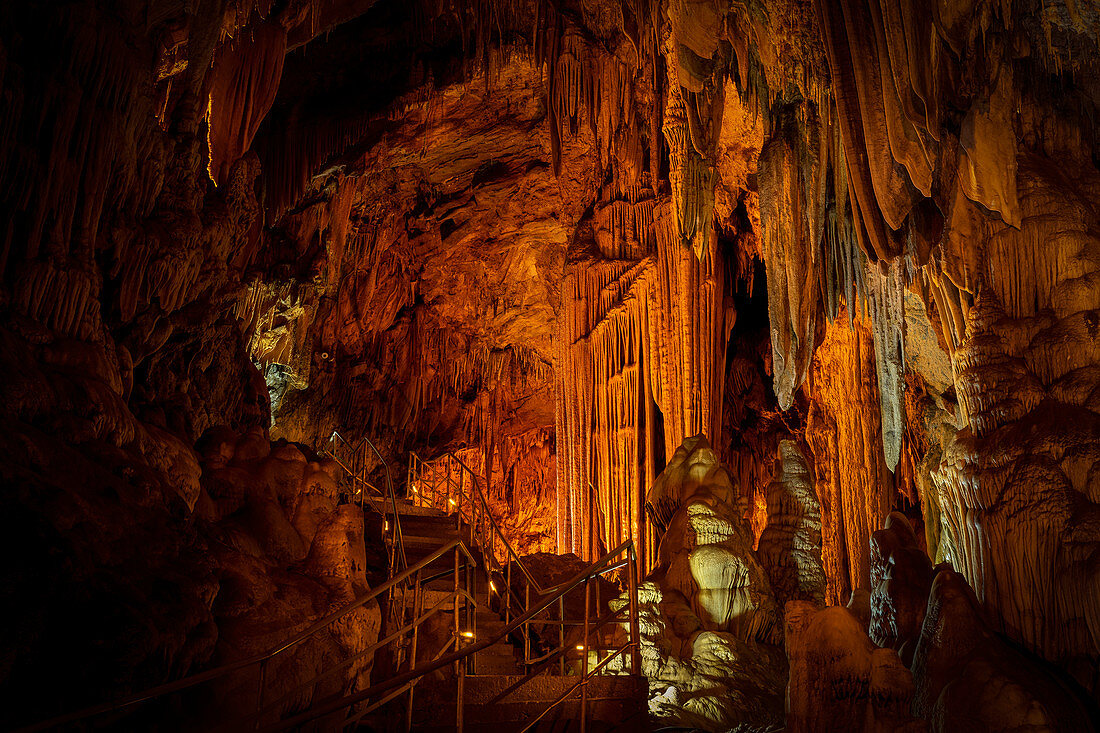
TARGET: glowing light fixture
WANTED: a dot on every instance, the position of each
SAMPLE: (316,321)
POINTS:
(580,647)
(452,501)
(492,587)
(468,634)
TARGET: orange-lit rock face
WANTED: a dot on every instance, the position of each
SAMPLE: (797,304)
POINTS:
(854,484)
(561,238)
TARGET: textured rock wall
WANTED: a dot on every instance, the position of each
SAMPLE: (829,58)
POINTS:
(843,429)
(120,261)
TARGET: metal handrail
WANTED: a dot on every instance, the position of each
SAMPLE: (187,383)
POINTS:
(548,597)
(492,521)
(227,669)
(397,543)
(414,674)
(588,675)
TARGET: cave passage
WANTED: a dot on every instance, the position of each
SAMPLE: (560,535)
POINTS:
(550,365)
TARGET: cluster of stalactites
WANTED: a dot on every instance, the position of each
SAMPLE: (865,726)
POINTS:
(815,262)
(586,84)
(625,230)
(70,153)
(691,125)
(640,365)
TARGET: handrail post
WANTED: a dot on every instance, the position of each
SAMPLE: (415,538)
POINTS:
(418,604)
(260,695)
(459,666)
(471,612)
(461,702)
(561,632)
(526,626)
(508,595)
(632,589)
(585,644)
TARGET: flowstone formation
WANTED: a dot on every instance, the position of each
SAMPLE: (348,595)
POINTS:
(709,624)
(921,657)
(285,552)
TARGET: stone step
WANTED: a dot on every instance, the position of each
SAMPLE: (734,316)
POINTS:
(404,507)
(612,701)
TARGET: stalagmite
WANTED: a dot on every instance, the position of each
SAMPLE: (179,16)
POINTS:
(790,545)
(839,680)
(708,621)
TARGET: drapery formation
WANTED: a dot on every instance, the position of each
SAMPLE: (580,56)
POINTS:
(641,364)
(989,218)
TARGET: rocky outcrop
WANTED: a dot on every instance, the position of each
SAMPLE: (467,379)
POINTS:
(708,622)
(967,677)
(901,575)
(839,680)
(285,553)
(930,662)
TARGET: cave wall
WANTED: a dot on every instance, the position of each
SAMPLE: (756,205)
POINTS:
(542,248)
(132,218)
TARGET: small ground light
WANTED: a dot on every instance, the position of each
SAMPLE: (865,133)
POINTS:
(468,634)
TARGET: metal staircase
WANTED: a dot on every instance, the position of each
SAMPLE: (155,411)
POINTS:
(452,567)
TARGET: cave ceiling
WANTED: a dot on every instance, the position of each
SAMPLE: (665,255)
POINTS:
(566,238)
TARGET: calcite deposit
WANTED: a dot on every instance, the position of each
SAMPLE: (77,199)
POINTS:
(799,297)
(710,627)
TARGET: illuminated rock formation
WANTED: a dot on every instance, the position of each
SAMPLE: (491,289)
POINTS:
(839,680)
(790,545)
(854,484)
(618,257)
(709,623)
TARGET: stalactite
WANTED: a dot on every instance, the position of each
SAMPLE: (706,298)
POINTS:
(852,478)
(886,296)
(245,77)
(624,230)
(691,122)
(791,171)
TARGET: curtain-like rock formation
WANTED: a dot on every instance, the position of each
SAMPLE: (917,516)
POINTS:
(843,429)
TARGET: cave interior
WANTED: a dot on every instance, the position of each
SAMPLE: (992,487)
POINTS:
(550,365)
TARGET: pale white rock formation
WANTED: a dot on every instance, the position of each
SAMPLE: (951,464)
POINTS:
(708,620)
(790,545)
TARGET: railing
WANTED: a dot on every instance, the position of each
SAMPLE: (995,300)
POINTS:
(352,459)
(261,661)
(388,690)
(462,603)
(471,506)
(433,484)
